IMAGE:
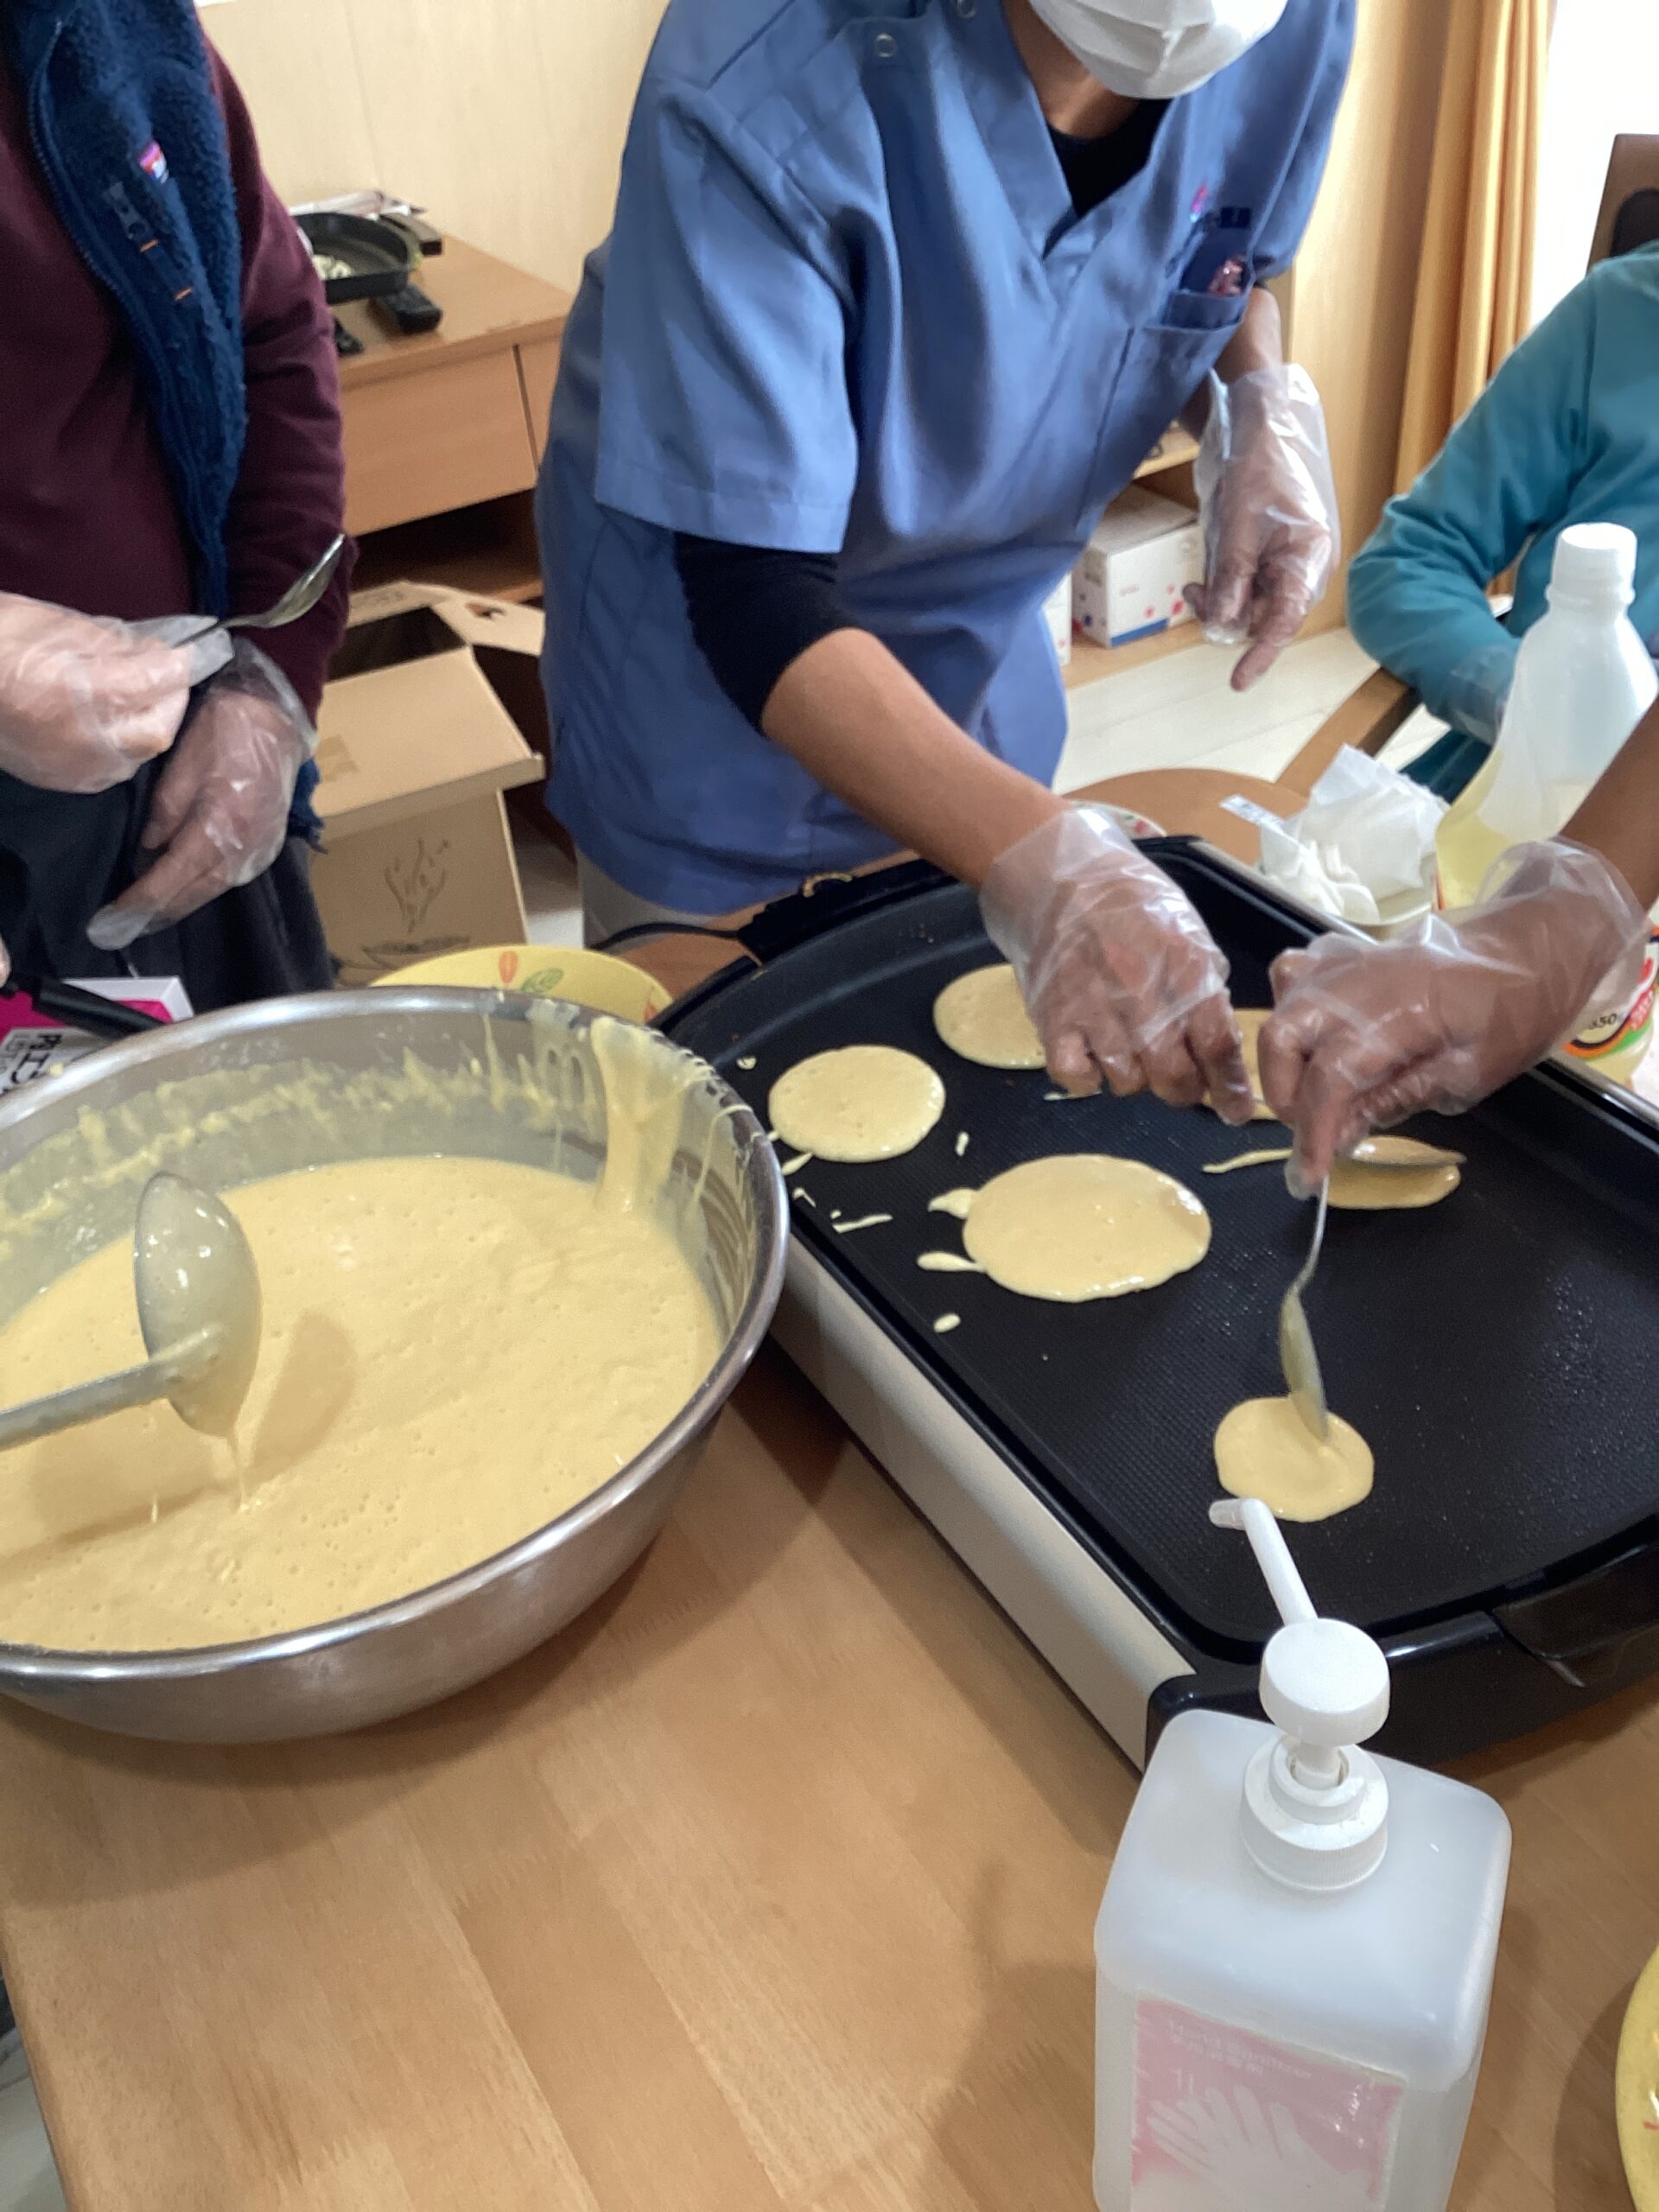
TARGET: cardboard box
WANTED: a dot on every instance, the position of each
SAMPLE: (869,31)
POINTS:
(1133,577)
(417,742)
(1058,608)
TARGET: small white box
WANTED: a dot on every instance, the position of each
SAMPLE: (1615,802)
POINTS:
(1132,578)
(1058,607)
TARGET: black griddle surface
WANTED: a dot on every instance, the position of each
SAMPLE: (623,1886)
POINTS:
(1496,1351)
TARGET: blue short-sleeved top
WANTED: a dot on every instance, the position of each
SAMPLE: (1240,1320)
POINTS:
(848,307)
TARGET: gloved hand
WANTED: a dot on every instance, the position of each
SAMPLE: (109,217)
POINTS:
(1362,1035)
(1120,977)
(84,700)
(219,814)
(1269,510)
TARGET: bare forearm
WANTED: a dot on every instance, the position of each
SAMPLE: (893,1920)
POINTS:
(861,725)
(1620,818)
(1258,343)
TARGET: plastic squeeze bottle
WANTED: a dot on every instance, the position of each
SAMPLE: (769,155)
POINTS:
(1583,680)
(1296,1947)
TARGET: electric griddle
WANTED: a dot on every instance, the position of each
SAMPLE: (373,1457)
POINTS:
(1497,1351)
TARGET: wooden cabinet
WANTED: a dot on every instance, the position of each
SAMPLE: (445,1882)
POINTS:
(539,365)
(447,437)
(444,433)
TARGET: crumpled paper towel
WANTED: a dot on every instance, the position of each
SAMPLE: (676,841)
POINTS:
(1363,848)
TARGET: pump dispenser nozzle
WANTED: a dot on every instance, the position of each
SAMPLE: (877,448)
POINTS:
(1315,1806)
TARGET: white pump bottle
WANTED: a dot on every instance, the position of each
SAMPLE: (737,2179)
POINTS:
(1296,1947)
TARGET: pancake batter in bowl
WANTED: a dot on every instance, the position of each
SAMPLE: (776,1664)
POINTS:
(455,1351)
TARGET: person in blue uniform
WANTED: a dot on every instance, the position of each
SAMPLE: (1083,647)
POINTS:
(895,302)
(1567,431)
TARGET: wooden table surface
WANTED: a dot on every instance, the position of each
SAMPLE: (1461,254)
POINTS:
(487,304)
(767,1887)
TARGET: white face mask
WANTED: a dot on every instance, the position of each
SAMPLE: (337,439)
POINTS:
(1158,49)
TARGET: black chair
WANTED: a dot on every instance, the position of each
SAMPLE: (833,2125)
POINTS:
(1635,224)
(1630,201)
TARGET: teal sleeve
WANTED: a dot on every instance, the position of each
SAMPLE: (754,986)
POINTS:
(1417,591)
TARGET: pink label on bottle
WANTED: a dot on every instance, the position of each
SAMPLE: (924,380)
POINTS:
(1226,2121)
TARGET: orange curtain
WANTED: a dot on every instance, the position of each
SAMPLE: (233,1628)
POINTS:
(1475,280)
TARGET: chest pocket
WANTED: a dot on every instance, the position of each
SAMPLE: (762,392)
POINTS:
(1163,365)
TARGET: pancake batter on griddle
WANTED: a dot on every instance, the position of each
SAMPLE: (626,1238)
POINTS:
(982,1018)
(1361,1186)
(1250,1020)
(1085,1225)
(1265,1450)
(862,1103)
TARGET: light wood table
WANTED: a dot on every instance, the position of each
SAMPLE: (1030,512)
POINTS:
(769,1884)
(767,1887)
(1191,803)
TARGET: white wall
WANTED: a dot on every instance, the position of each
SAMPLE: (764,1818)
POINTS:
(504,116)
(1603,80)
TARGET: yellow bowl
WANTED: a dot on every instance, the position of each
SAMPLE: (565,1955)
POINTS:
(546,971)
(1636,2092)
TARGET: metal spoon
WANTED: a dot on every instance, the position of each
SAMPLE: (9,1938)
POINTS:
(298,599)
(198,1308)
(1296,1353)
(1375,1152)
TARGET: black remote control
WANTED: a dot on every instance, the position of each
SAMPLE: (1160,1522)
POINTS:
(412,309)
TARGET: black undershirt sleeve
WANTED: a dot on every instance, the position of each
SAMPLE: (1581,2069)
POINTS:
(754,610)
(1094,169)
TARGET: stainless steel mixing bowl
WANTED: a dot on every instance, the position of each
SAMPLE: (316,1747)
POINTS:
(299,1082)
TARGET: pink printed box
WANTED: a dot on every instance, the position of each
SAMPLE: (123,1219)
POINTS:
(162,997)
(33,1044)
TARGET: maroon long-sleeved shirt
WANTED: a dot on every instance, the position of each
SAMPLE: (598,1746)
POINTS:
(87,516)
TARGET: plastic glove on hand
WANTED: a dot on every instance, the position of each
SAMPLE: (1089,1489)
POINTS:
(1268,506)
(219,815)
(86,701)
(1363,1035)
(1120,977)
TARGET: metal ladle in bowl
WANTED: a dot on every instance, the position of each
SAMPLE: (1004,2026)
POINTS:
(199,1309)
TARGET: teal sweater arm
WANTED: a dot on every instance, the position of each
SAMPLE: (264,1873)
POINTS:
(1417,591)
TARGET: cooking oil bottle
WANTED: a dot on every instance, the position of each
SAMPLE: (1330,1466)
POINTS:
(1583,680)
(1294,1956)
